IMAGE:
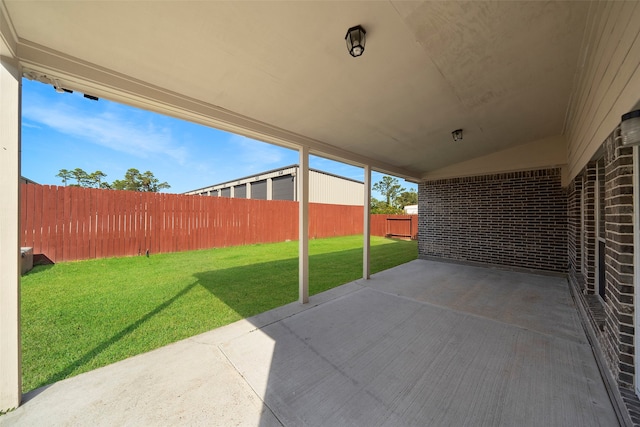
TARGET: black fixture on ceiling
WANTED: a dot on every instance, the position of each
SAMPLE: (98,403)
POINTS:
(355,40)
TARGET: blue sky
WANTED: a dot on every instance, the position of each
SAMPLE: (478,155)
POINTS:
(68,131)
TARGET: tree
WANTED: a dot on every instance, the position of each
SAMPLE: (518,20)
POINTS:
(133,180)
(81,177)
(65,175)
(151,183)
(407,198)
(390,188)
(381,207)
(96,178)
(136,181)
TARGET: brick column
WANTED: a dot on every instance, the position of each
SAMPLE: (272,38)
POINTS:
(574,225)
(619,327)
(589,231)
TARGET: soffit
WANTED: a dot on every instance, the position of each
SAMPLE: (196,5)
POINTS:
(502,71)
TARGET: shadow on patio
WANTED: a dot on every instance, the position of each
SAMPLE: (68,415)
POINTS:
(425,343)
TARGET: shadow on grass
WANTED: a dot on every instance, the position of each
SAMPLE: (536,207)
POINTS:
(88,356)
(256,288)
(39,269)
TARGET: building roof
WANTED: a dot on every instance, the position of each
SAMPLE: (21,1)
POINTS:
(268,172)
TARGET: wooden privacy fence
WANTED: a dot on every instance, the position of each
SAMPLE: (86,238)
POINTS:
(400,226)
(71,223)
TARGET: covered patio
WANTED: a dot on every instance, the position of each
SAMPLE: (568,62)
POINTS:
(425,343)
(507,115)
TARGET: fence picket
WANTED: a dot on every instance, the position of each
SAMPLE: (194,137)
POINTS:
(68,223)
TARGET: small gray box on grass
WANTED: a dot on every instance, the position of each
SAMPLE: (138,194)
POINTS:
(26,260)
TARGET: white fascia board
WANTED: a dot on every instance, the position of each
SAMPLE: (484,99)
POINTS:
(79,75)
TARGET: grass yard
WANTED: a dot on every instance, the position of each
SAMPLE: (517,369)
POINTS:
(78,316)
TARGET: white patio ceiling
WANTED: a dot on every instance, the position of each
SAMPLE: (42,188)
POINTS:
(280,72)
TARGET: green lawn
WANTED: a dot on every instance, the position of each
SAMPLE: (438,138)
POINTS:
(78,316)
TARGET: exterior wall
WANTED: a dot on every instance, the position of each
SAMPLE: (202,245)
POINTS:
(619,259)
(541,154)
(327,188)
(607,81)
(279,184)
(589,228)
(513,219)
(574,228)
(24,180)
(613,314)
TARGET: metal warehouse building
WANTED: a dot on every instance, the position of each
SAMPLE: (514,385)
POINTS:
(282,184)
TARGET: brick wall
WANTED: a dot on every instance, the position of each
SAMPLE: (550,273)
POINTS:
(619,258)
(574,228)
(589,231)
(513,219)
(613,314)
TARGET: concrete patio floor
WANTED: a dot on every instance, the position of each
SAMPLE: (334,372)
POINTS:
(424,344)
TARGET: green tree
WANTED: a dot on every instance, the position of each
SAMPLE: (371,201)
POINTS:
(150,183)
(81,177)
(390,188)
(381,207)
(65,175)
(96,178)
(136,181)
(407,198)
(133,180)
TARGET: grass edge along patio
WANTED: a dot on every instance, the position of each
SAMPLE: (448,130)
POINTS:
(81,315)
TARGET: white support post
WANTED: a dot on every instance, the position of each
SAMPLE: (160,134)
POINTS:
(636,263)
(303,221)
(366,229)
(10,352)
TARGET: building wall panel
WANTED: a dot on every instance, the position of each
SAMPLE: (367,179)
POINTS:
(283,188)
(259,190)
(240,191)
(608,79)
(324,188)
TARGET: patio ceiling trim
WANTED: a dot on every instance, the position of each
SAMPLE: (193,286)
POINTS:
(8,44)
(76,74)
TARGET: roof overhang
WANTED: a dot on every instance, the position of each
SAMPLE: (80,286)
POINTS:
(279,72)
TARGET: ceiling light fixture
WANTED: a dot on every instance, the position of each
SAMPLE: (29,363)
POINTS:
(355,40)
(630,128)
(457,135)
